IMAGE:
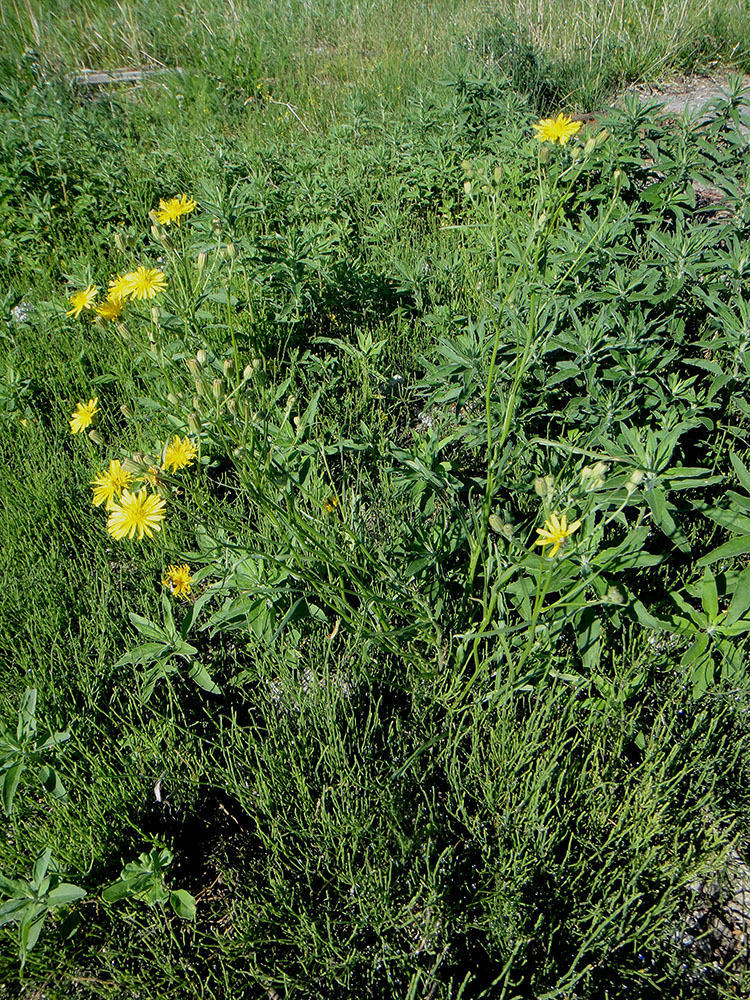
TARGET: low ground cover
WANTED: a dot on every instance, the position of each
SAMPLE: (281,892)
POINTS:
(375,591)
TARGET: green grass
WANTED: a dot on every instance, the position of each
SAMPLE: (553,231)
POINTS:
(403,753)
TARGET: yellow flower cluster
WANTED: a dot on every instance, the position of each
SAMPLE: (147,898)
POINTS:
(132,512)
(143,283)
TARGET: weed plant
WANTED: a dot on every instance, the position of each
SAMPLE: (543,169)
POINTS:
(375,591)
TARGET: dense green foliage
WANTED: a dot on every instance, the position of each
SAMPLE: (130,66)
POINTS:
(389,746)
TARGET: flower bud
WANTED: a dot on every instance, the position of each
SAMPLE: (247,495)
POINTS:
(201,356)
(201,261)
(194,368)
(171,398)
(120,242)
(545,154)
(232,406)
(96,437)
(227,367)
(590,146)
(126,411)
(194,424)
(155,315)
(196,403)
(229,250)
(217,388)
(248,372)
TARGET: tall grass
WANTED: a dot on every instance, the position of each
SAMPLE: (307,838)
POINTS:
(581,49)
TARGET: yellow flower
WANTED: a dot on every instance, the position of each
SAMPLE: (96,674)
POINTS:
(82,300)
(83,415)
(143,283)
(330,505)
(111,483)
(110,309)
(136,512)
(555,531)
(558,129)
(118,288)
(172,210)
(178,579)
(179,453)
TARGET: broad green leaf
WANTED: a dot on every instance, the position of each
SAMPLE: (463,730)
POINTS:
(51,781)
(10,784)
(661,510)
(150,630)
(200,676)
(41,865)
(183,904)
(734,547)
(702,676)
(119,890)
(740,599)
(709,596)
(30,928)
(65,893)
(743,474)
(696,650)
(27,714)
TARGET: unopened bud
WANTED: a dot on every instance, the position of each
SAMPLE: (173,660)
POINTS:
(545,154)
(155,315)
(194,368)
(196,403)
(201,356)
(126,411)
(201,261)
(590,146)
(636,478)
(498,173)
(229,250)
(120,242)
(232,406)
(217,388)
(194,424)
(227,367)
(467,187)
(96,437)
(248,372)
(603,136)
(171,398)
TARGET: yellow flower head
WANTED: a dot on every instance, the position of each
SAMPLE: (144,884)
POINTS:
(178,579)
(558,129)
(110,309)
(172,210)
(82,300)
(555,531)
(118,288)
(178,453)
(140,512)
(83,415)
(107,485)
(143,283)
(330,505)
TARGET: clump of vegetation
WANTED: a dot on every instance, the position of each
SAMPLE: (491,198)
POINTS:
(375,562)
